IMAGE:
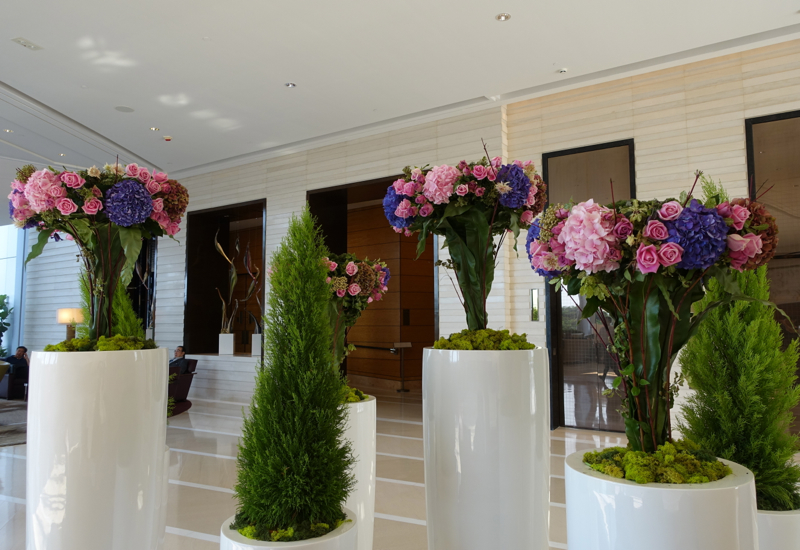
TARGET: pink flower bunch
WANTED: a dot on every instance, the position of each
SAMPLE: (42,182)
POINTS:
(42,190)
(588,238)
(736,213)
(649,257)
(439,183)
(743,247)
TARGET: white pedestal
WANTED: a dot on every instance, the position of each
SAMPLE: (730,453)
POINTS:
(605,513)
(343,538)
(361,431)
(96,450)
(486,418)
(779,530)
(225,344)
(255,345)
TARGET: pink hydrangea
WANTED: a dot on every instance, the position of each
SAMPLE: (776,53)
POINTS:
(439,183)
(588,237)
(37,190)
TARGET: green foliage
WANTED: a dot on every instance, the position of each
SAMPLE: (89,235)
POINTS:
(486,339)
(353,395)
(5,312)
(170,406)
(294,466)
(115,343)
(744,379)
(678,462)
(124,318)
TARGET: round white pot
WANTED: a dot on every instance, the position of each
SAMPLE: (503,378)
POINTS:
(486,417)
(345,537)
(96,450)
(605,513)
(361,431)
(779,530)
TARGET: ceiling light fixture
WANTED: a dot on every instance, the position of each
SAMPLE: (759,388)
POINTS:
(8,131)
(154,128)
(562,71)
(503,16)
(123,109)
(290,85)
(26,43)
(62,155)
(167,138)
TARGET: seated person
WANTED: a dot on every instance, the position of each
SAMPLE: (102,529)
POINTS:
(179,360)
(18,363)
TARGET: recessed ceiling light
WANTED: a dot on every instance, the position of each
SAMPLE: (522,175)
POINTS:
(26,43)
(290,85)
(167,138)
(503,16)
(562,71)
(206,38)
(62,155)
(123,109)
(8,131)
(154,128)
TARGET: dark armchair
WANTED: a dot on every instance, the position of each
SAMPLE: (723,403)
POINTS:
(12,386)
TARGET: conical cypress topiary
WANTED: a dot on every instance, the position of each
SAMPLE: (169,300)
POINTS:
(294,465)
(745,384)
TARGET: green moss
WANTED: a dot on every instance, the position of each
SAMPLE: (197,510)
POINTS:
(486,339)
(678,462)
(115,343)
(353,395)
(249,532)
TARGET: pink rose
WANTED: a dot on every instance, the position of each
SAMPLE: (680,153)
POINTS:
(405,209)
(480,191)
(165,187)
(353,289)
(399,185)
(656,230)
(420,199)
(160,177)
(670,254)
(647,259)
(739,214)
(417,175)
(410,188)
(161,217)
(92,206)
(172,228)
(328,280)
(96,192)
(749,244)
(144,176)
(407,232)
(479,171)
(158,205)
(341,292)
(724,209)
(152,187)
(351,269)
(426,210)
(57,192)
(66,206)
(369,300)
(531,195)
(439,183)
(376,295)
(562,213)
(72,180)
(623,228)
(670,210)
(517,163)
(614,254)
(132,170)
(332,266)
(527,217)
(557,229)
(462,190)
(491,174)
(496,162)
(557,247)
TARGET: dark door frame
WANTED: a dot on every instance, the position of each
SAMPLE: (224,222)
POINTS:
(751,156)
(554,333)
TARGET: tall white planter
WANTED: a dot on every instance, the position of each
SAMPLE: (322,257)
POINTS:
(361,432)
(255,345)
(345,537)
(779,530)
(225,344)
(605,513)
(96,450)
(486,417)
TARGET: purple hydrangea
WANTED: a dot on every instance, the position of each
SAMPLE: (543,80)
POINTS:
(128,203)
(702,234)
(520,185)
(390,203)
(30,223)
(388,275)
(533,233)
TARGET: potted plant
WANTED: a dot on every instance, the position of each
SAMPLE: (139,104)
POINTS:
(485,393)
(744,381)
(108,472)
(294,465)
(354,284)
(5,312)
(640,265)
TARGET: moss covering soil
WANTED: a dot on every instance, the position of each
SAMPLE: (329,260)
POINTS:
(115,343)
(678,462)
(303,531)
(485,340)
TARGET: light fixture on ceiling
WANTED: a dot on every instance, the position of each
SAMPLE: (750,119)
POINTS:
(62,155)
(153,128)
(562,71)
(167,138)
(26,43)
(123,109)
(503,16)
(8,131)
(290,85)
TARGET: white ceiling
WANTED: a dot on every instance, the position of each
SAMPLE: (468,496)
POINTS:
(211,74)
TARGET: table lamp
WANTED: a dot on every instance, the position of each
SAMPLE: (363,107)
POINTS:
(70,316)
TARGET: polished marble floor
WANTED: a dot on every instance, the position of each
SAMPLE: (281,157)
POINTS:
(203,471)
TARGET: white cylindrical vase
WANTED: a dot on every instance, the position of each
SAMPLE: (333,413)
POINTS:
(486,417)
(361,432)
(344,537)
(255,344)
(779,530)
(606,513)
(96,450)
(225,344)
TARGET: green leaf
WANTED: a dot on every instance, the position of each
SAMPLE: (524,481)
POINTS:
(37,248)
(635,390)
(627,275)
(131,241)
(644,382)
(573,286)
(666,293)
(616,383)
(592,304)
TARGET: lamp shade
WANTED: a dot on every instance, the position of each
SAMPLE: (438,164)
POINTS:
(70,316)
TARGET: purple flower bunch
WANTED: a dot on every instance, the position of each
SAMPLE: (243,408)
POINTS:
(128,203)
(701,232)
(391,202)
(533,233)
(513,176)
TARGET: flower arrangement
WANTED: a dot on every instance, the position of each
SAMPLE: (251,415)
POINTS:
(106,212)
(354,284)
(641,265)
(468,204)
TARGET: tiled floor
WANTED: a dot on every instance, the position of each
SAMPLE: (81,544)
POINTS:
(203,471)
